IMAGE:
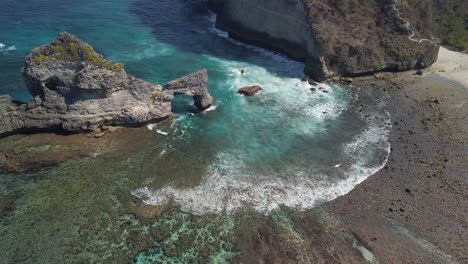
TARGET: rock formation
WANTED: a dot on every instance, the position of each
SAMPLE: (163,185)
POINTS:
(194,85)
(250,90)
(334,38)
(75,89)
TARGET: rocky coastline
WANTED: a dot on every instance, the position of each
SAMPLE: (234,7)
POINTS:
(413,210)
(76,90)
(324,35)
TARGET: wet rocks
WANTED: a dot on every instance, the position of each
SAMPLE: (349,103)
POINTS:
(195,85)
(250,90)
(2,159)
(6,204)
(75,89)
(146,211)
(309,80)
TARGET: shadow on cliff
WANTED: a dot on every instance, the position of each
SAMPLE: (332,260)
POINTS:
(186,25)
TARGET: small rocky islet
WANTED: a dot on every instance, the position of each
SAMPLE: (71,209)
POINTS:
(75,89)
(250,90)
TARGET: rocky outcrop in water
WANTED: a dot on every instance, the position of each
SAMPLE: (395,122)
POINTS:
(334,38)
(250,90)
(75,89)
(194,85)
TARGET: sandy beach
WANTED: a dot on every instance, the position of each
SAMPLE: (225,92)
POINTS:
(452,65)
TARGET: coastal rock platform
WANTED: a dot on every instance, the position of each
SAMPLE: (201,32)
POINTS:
(75,89)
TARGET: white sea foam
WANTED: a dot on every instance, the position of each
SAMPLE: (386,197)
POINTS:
(161,132)
(214,29)
(4,48)
(225,35)
(228,187)
(151,126)
(211,108)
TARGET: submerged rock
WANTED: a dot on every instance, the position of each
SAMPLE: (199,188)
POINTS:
(250,90)
(2,159)
(146,211)
(6,204)
(75,89)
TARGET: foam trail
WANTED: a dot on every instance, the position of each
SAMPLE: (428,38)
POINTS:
(151,126)
(3,47)
(211,108)
(224,34)
(162,132)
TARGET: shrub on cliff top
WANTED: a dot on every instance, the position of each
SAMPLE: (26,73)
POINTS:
(75,51)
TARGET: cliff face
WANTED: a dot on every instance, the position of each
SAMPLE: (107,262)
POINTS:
(333,37)
(75,89)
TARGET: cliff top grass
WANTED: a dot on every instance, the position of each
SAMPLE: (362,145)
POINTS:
(69,48)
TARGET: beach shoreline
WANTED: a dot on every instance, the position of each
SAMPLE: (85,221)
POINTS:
(452,65)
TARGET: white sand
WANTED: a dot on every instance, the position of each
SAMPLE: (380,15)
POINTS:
(453,65)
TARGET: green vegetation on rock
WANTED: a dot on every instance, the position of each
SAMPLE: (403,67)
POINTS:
(453,28)
(73,50)
(447,19)
(156,95)
(41,58)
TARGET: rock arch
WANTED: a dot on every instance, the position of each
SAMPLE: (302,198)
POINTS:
(195,85)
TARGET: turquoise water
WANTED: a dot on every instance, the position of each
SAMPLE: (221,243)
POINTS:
(288,146)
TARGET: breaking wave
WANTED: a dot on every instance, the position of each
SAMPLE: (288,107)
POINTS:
(227,187)
(4,48)
(230,183)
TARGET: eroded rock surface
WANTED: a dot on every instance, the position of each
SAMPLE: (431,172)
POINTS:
(195,85)
(75,89)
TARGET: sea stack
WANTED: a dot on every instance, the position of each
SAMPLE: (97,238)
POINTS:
(75,89)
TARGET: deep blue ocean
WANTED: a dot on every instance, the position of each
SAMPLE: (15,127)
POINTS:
(288,146)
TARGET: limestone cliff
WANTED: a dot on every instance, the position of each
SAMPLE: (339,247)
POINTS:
(333,37)
(75,89)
